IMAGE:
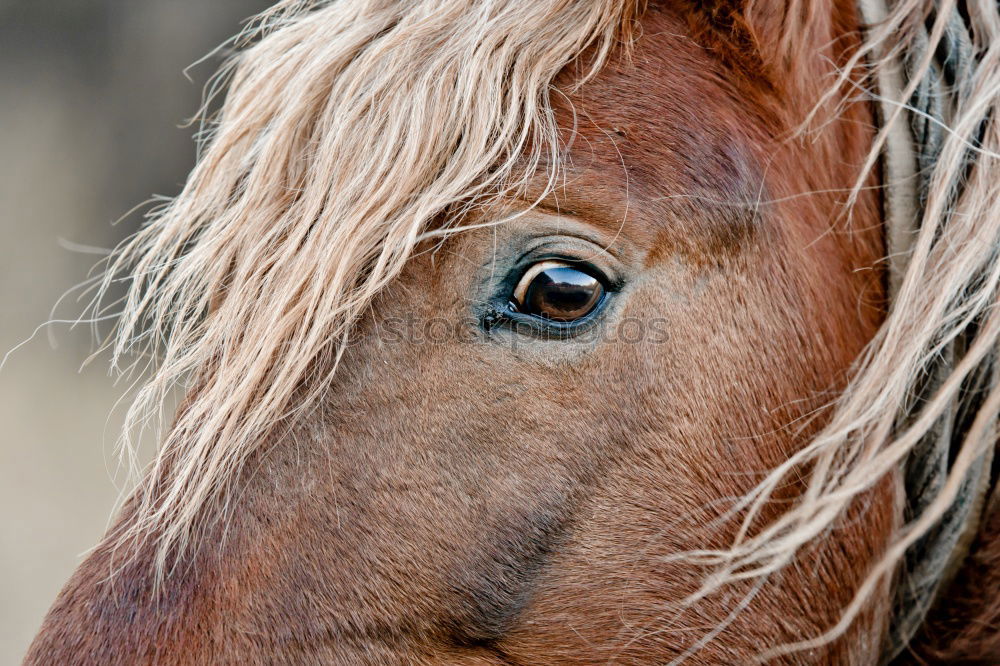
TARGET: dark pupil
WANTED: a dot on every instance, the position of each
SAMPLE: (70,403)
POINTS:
(562,293)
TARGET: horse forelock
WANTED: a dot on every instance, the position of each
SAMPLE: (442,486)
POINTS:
(347,129)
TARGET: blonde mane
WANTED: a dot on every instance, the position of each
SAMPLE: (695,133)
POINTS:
(348,128)
(351,127)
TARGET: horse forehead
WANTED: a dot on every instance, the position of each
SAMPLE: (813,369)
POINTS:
(663,134)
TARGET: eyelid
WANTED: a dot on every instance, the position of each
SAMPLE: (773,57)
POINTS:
(522,286)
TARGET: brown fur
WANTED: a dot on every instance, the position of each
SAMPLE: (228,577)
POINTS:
(498,500)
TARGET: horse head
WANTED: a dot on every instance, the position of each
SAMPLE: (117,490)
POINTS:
(496,318)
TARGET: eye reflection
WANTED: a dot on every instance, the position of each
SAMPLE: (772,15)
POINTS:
(557,291)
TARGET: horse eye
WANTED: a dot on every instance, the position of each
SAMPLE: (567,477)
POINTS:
(558,291)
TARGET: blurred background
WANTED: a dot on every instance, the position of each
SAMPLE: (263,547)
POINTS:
(92,96)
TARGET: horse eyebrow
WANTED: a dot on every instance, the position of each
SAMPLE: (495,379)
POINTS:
(586,222)
(700,225)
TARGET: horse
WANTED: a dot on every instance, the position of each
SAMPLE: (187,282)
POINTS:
(563,332)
